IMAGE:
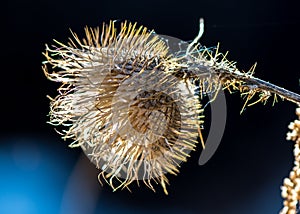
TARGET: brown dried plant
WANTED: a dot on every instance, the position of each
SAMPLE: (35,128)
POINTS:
(131,104)
(290,190)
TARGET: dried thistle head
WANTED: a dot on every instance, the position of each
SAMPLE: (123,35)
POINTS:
(132,103)
(120,102)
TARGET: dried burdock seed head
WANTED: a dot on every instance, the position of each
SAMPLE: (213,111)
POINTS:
(133,104)
(122,105)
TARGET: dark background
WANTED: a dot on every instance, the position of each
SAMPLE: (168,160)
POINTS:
(40,174)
